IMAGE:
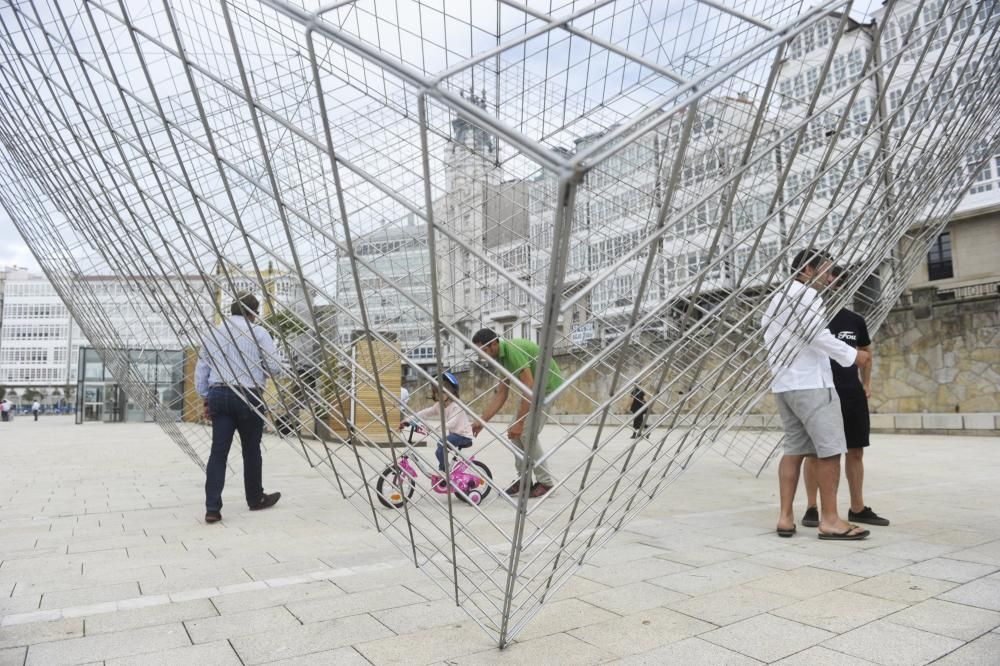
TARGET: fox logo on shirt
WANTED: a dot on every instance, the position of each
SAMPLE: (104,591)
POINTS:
(847,335)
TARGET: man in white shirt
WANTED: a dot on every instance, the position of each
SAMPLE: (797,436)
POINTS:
(35,408)
(799,347)
(235,361)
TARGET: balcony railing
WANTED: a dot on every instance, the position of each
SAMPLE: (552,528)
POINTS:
(954,294)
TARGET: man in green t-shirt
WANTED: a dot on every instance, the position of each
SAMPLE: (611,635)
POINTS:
(519,358)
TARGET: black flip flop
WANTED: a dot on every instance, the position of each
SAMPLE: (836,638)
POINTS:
(845,536)
(785,533)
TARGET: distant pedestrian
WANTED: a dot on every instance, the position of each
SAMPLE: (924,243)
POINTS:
(5,408)
(235,361)
(35,408)
(799,348)
(638,410)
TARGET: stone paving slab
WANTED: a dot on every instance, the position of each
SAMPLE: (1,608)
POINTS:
(984,593)
(713,577)
(565,615)
(347,656)
(732,604)
(948,619)
(151,616)
(955,571)
(901,587)
(884,642)
(980,652)
(427,646)
(556,649)
(110,562)
(20,604)
(803,583)
(89,595)
(304,639)
(328,608)
(13,656)
(219,653)
(838,611)
(821,656)
(691,652)
(421,616)
(103,647)
(632,597)
(641,632)
(767,637)
(275,596)
(249,623)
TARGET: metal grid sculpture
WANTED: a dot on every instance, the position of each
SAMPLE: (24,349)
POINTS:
(623,180)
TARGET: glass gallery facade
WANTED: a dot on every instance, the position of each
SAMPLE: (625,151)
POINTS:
(99,397)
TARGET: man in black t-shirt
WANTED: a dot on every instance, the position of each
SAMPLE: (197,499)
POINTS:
(853,389)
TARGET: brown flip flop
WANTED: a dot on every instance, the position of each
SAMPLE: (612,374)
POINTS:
(845,536)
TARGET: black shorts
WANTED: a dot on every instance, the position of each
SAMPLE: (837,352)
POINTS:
(857,425)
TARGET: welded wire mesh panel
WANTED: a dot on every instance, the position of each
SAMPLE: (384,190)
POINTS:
(620,184)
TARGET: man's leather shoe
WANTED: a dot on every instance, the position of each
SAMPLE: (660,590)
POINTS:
(266,501)
(212,517)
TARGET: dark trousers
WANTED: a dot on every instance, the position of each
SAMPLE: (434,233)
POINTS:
(35,412)
(6,416)
(231,414)
(457,441)
(638,422)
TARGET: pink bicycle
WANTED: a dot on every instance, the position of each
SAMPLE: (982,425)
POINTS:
(470,481)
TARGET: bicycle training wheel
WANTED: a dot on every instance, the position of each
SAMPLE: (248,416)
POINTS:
(479,492)
(394,487)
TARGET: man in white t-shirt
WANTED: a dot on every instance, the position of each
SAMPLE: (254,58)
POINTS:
(35,408)
(5,407)
(799,349)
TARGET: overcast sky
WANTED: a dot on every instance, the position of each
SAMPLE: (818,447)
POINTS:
(13,250)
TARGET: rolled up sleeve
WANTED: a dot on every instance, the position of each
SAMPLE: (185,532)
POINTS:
(270,359)
(822,339)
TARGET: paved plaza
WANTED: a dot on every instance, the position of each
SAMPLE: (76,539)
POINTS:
(105,558)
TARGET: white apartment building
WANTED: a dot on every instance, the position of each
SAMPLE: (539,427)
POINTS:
(480,215)
(965,254)
(824,203)
(391,259)
(826,215)
(39,341)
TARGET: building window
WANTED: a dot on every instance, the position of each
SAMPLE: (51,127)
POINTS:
(939,258)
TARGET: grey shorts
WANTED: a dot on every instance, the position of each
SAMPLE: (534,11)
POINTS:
(813,423)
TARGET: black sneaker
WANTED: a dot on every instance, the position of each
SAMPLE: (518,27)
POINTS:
(514,489)
(811,517)
(867,516)
(212,517)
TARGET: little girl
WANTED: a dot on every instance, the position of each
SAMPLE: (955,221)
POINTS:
(456,424)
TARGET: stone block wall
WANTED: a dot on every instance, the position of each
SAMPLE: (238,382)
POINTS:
(948,362)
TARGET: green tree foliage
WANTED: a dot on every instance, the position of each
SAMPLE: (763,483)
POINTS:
(286,323)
